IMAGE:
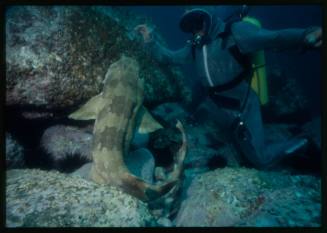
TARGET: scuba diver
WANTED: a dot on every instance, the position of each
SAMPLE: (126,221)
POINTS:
(221,50)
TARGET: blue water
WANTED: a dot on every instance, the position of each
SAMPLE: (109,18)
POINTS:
(306,68)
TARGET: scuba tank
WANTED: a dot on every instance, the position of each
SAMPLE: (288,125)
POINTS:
(259,78)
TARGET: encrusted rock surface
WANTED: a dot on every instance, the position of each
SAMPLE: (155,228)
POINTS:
(57,57)
(248,197)
(36,198)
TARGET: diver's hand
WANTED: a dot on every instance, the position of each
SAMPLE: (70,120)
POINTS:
(144,31)
(313,37)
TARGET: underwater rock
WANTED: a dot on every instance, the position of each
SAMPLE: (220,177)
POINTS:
(169,112)
(32,115)
(287,101)
(141,164)
(205,147)
(312,130)
(214,199)
(165,222)
(139,140)
(277,132)
(36,198)
(14,153)
(60,142)
(295,206)
(57,57)
(83,171)
(205,111)
(240,196)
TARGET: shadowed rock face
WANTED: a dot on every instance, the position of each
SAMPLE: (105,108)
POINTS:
(14,153)
(56,57)
(288,102)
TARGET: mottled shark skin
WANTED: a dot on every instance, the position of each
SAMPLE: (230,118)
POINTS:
(118,112)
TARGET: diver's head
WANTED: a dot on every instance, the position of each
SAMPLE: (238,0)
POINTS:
(195,21)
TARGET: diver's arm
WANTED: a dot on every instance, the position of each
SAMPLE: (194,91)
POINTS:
(251,38)
(167,56)
(161,53)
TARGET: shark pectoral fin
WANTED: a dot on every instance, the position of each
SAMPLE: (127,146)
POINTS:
(89,110)
(147,123)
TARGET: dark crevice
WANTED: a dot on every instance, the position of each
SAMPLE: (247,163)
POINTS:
(217,162)
(28,133)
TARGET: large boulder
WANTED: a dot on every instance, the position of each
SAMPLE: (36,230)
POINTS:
(57,57)
(248,197)
(60,142)
(36,198)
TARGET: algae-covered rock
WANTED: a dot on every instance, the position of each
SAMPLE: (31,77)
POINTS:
(36,198)
(57,57)
(248,197)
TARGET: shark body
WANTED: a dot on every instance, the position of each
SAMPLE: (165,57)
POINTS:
(118,112)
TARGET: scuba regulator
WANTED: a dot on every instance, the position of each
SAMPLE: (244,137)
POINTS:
(200,39)
(197,40)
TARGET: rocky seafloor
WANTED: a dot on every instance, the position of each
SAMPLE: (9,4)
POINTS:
(49,76)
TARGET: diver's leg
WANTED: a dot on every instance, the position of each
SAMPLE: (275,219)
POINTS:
(245,129)
(249,133)
(250,138)
(224,117)
(249,142)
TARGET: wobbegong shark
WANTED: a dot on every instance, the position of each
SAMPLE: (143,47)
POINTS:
(118,113)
